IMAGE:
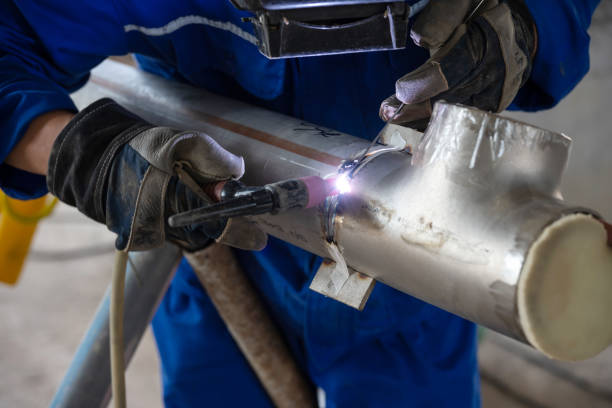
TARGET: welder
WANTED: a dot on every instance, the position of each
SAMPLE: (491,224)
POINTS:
(121,171)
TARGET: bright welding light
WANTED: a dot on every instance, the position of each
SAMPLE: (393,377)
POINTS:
(343,184)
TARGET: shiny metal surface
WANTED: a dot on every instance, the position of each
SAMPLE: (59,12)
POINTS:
(450,224)
(474,196)
(87,383)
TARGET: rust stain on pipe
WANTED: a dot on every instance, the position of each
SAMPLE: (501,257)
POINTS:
(238,128)
(251,327)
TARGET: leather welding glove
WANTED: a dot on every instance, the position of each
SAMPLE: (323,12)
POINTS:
(123,172)
(482,62)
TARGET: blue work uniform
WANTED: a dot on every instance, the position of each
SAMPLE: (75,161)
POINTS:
(399,351)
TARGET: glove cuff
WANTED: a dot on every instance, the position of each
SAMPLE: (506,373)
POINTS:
(84,151)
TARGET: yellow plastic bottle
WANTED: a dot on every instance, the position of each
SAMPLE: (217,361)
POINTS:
(18,221)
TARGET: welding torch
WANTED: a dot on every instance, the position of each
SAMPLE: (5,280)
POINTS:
(235,199)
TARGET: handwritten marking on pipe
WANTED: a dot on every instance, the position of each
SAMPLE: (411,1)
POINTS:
(317,130)
(234,127)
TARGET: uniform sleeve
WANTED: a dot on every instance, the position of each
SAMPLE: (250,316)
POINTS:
(562,59)
(46,51)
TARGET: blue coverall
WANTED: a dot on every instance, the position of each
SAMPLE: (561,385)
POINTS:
(399,351)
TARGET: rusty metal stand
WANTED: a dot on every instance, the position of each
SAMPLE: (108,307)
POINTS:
(251,327)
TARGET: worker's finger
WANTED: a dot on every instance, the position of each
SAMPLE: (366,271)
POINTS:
(469,68)
(417,116)
(438,20)
(465,66)
(473,67)
(468,88)
(408,113)
(421,84)
(441,72)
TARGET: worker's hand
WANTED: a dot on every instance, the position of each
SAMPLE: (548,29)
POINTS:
(122,171)
(482,63)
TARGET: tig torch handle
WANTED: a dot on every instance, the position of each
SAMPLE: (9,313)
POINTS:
(234,199)
(305,192)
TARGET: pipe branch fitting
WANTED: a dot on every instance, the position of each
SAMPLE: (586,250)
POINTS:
(473,223)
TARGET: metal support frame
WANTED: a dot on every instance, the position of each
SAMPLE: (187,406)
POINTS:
(87,382)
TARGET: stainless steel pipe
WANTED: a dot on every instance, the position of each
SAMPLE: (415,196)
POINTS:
(87,382)
(455,222)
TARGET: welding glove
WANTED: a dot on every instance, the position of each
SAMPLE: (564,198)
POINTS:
(482,62)
(124,172)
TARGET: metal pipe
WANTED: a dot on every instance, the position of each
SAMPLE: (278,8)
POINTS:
(87,382)
(451,224)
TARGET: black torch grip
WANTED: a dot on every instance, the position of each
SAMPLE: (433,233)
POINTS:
(288,194)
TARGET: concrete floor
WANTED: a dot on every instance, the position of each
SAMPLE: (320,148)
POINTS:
(44,317)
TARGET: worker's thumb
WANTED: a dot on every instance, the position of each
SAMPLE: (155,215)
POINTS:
(391,109)
(206,159)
